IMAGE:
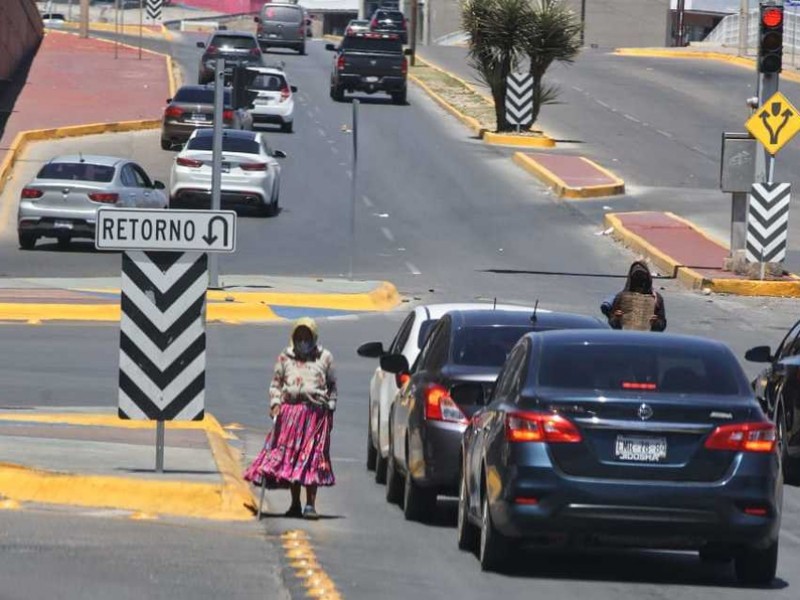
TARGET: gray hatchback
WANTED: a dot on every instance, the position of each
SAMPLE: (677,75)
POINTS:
(282,26)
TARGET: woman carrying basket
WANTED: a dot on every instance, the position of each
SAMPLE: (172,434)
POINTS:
(302,400)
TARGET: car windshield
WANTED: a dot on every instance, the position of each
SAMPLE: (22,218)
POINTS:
(239,42)
(269,83)
(77,172)
(229,144)
(389,15)
(486,346)
(199,96)
(369,44)
(284,14)
(637,368)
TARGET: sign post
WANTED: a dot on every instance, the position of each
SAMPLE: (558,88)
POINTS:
(216,159)
(353,192)
(519,99)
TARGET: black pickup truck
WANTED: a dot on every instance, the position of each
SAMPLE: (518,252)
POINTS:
(369,62)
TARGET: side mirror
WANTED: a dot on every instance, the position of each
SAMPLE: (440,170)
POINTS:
(469,393)
(759,354)
(293,88)
(330,47)
(408,52)
(394,363)
(169,100)
(279,154)
(371,350)
(257,19)
(201,44)
(159,185)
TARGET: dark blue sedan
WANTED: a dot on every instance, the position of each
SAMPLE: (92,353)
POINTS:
(631,438)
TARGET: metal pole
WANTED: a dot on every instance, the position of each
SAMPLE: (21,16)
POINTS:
(84,28)
(765,162)
(69,10)
(159,446)
(794,34)
(141,25)
(412,39)
(353,191)
(216,167)
(583,21)
(116,29)
(744,9)
(681,13)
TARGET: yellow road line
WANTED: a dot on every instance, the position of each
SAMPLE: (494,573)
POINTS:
(306,567)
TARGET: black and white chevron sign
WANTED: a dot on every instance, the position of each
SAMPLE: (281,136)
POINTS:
(154,9)
(768,222)
(162,359)
(519,99)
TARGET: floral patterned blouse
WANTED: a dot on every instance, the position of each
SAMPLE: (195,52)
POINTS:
(312,380)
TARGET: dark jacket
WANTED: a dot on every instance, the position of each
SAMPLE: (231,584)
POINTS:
(640,268)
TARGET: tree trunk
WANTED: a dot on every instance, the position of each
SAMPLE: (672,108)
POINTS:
(537,97)
(499,97)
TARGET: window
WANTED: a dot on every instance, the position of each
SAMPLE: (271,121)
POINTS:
(424,329)
(77,172)
(284,14)
(437,347)
(268,83)
(233,42)
(229,144)
(199,96)
(508,382)
(399,342)
(141,178)
(486,346)
(366,44)
(790,344)
(127,177)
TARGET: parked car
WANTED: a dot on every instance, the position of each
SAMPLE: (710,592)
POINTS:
(777,389)
(250,174)
(453,374)
(274,100)
(63,200)
(390,21)
(238,48)
(384,386)
(54,20)
(623,437)
(283,26)
(369,62)
(357,26)
(193,108)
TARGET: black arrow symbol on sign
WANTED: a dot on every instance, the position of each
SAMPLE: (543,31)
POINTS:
(774,135)
(210,238)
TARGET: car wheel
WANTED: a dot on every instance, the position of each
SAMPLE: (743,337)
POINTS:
(493,547)
(372,453)
(757,566)
(467,533)
(27,241)
(716,554)
(337,93)
(394,484)
(381,468)
(302,50)
(287,127)
(419,503)
(399,97)
(166,144)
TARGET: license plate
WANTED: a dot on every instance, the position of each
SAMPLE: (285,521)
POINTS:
(198,117)
(273,35)
(63,224)
(640,449)
(263,101)
(226,167)
(370,79)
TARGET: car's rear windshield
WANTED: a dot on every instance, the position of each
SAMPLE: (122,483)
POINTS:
(641,369)
(284,14)
(233,41)
(199,96)
(368,44)
(269,83)
(77,172)
(394,15)
(485,346)
(229,144)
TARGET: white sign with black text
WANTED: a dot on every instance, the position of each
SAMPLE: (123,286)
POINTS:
(166,230)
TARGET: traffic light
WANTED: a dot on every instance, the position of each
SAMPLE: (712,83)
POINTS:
(770,38)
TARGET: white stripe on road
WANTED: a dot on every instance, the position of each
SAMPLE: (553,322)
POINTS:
(664,133)
(334,149)
(321,131)
(631,118)
(388,234)
(414,270)
(349,174)
(603,104)
(367,202)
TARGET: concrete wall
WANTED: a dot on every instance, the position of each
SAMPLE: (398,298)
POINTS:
(20,34)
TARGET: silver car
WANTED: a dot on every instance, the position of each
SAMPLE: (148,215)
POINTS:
(63,200)
(250,174)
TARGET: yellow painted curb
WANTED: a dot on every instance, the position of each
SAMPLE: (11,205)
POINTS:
(303,560)
(522,141)
(690,277)
(561,188)
(472,123)
(131,30)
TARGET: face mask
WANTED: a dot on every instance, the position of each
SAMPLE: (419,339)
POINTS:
(303,348)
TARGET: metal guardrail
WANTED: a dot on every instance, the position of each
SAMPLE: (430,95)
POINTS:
(727,32)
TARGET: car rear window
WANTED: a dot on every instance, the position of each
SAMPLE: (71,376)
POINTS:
(637,368)
(394,15)
(284,14)
(424,329)
(199,96)
(369,44)
(233,41)
(269,83)
(485,346)
(77,172)
(229,144)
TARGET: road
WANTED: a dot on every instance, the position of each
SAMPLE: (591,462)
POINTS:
(440,210)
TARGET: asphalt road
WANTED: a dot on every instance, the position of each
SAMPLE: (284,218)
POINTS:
(451,204)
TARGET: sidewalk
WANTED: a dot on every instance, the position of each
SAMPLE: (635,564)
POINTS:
(87,457)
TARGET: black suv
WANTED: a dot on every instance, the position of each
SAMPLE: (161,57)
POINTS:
(239,49)
(778,390)
(390,21)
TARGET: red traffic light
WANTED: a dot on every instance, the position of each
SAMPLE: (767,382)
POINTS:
(772,17)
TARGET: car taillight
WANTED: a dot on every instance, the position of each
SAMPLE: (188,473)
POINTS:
(404,67)
(743,437)
(227,115)
(285,91)
(255,52)
(104,197)
(340,62)
(189,162)
(253,166)
(31,193)
(373,24)
(535,427)
(211,50)
(173,112)
(439,406)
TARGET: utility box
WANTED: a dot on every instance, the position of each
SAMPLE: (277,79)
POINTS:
(737,163)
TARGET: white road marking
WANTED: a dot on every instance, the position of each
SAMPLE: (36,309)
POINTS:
(414,270)
(321,131)
(387,234)
(334,149)
(367,202)
(349,174)
(603,104)
(577,89)
(664,133)
(631,118)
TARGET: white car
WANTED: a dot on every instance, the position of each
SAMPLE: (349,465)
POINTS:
(250,174)
(409,341)
(274,102)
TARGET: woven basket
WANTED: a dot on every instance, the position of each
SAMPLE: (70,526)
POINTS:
(637,309)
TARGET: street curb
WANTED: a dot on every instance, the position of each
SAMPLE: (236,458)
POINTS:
(740,61)
(230,500)
(522,141)
(472,123)
(561,188)
(128,30)
(689,276)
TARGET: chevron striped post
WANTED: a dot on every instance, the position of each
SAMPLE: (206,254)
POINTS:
(768,223)
(519,99)
(154,9)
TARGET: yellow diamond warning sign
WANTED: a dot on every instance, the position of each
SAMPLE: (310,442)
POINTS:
(774,123)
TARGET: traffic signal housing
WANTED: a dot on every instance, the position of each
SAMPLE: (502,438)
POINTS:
(770,38)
